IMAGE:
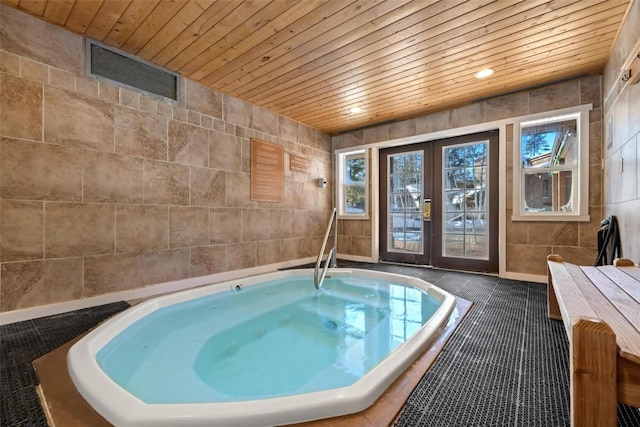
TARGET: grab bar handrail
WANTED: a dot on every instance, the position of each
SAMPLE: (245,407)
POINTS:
(319,278)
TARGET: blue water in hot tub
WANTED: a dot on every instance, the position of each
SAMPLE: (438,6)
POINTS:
(269,340)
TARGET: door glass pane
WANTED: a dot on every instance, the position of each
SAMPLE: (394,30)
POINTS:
(477,224)
(405,202)
(453,245)
(454,179)
(454,223)
(474,246)
(465,204)
(397,222)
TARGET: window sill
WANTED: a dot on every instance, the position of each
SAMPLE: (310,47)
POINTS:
(553,218)
(360,217)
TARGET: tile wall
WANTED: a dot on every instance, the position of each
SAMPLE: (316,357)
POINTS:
(622,138)
(103,189)
(528,243)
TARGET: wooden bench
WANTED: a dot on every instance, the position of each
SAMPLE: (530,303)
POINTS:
(600,308)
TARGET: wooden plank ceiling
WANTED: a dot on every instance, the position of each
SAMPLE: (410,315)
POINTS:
(313,60)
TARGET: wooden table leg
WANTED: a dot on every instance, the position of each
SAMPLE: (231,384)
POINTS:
(593,375)
(553,309)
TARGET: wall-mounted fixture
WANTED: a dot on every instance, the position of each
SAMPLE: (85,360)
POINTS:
(322,182)
(631,67)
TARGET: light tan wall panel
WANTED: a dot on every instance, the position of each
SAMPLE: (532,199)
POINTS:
(34,283)
(268,252)
(22,230)
(20,108)
(111,178)
(188,144)
(140,134)
(36,171)
(208,260)
(111,273)
(78,120)
(77,229)
(141,228)
(166,265)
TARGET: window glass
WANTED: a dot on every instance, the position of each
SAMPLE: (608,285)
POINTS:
(546,150)
(355,197)
(355,169)
(549,144)
(548,191)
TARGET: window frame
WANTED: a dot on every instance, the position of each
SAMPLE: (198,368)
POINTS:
(580,181)
(342,185)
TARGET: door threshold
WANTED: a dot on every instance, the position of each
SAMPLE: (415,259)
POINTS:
(431,267)
(406,264)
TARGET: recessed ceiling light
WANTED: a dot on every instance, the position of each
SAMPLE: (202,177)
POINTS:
(484,73)
(355,110)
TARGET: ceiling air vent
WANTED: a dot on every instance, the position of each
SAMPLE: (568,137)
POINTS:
(115,66)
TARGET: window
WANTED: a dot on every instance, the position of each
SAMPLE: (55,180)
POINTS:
(551,167)
(352,184)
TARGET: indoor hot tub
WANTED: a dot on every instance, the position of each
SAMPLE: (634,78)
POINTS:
(265,350)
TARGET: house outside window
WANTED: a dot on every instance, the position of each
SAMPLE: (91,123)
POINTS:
(551,179)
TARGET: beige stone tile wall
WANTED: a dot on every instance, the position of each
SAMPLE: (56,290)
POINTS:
(103,189)
(621,139)
(528,243)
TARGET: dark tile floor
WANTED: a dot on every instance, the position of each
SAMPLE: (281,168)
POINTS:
(23,342)
(506,365)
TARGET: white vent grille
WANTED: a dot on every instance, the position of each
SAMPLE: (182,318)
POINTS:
(113,65)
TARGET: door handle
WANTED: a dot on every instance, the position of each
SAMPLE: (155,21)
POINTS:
(426,210)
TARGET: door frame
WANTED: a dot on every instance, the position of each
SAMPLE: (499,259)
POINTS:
(476,265)
(432,230)
(374,173)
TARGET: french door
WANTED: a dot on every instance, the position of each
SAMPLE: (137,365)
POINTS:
(439,203)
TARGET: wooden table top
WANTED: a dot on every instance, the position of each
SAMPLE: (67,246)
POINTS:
(621,310)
